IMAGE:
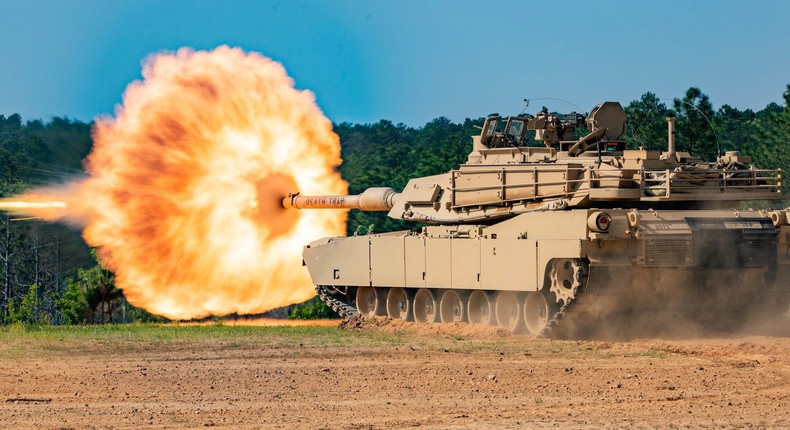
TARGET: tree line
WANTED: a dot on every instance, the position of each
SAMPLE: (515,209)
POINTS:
(49,275)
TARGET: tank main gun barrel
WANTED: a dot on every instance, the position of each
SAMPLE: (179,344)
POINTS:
(372,199)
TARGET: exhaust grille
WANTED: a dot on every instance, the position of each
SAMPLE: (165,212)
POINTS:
(759,251)
(733,242)
(668,251)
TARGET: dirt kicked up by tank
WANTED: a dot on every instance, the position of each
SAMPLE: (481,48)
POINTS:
(548,240)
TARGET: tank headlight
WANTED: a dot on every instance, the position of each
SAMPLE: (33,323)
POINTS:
(599,222)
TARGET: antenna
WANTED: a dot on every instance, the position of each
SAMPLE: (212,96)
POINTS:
(550,98)
(718,148)
(526,105)
(658,99)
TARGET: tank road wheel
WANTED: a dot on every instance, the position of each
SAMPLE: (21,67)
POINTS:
(425,309)
(480,308)
(508,311)
(451,307)
(565,279)
(537,312)
(399,304)
(369,302)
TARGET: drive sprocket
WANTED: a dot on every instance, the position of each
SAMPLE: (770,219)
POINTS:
(566,279)
(578,270)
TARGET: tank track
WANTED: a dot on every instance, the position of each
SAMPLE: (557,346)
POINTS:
(579,276)
(346,310)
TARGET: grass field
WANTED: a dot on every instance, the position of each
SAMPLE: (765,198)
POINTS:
(41,341)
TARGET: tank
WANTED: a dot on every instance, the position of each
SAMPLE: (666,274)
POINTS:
(527,238)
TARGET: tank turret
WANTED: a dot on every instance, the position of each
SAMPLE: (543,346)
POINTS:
(518,233)
(503,177)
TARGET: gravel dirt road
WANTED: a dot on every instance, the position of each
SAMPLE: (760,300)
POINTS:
(389,375)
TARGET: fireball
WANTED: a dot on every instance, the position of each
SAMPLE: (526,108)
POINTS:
(184,185)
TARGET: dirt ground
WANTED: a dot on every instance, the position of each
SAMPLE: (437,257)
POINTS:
(395,375)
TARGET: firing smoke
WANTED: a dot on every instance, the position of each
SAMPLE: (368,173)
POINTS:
(184,185)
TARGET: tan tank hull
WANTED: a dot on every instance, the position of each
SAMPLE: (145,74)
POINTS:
(490,274)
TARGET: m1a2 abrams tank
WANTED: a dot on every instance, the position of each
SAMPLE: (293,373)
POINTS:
(525,237)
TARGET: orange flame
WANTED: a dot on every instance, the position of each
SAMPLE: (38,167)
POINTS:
(185,183)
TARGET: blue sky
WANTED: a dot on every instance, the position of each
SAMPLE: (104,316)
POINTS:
(407,61)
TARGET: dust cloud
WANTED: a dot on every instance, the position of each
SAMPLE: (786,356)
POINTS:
(680,304)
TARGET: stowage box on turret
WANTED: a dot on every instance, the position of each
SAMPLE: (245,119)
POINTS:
(524,237)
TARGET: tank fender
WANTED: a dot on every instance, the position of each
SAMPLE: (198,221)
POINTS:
(339,261)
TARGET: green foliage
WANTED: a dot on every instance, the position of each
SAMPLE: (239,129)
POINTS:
(764,135)
(388,155)
(28,310)
(102,296)
(31,251)
(647,120)
(770,144)
(361,230)
(313,309)
(91,297)
(143,316)
(735,128)
(694,130)
(73,304)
